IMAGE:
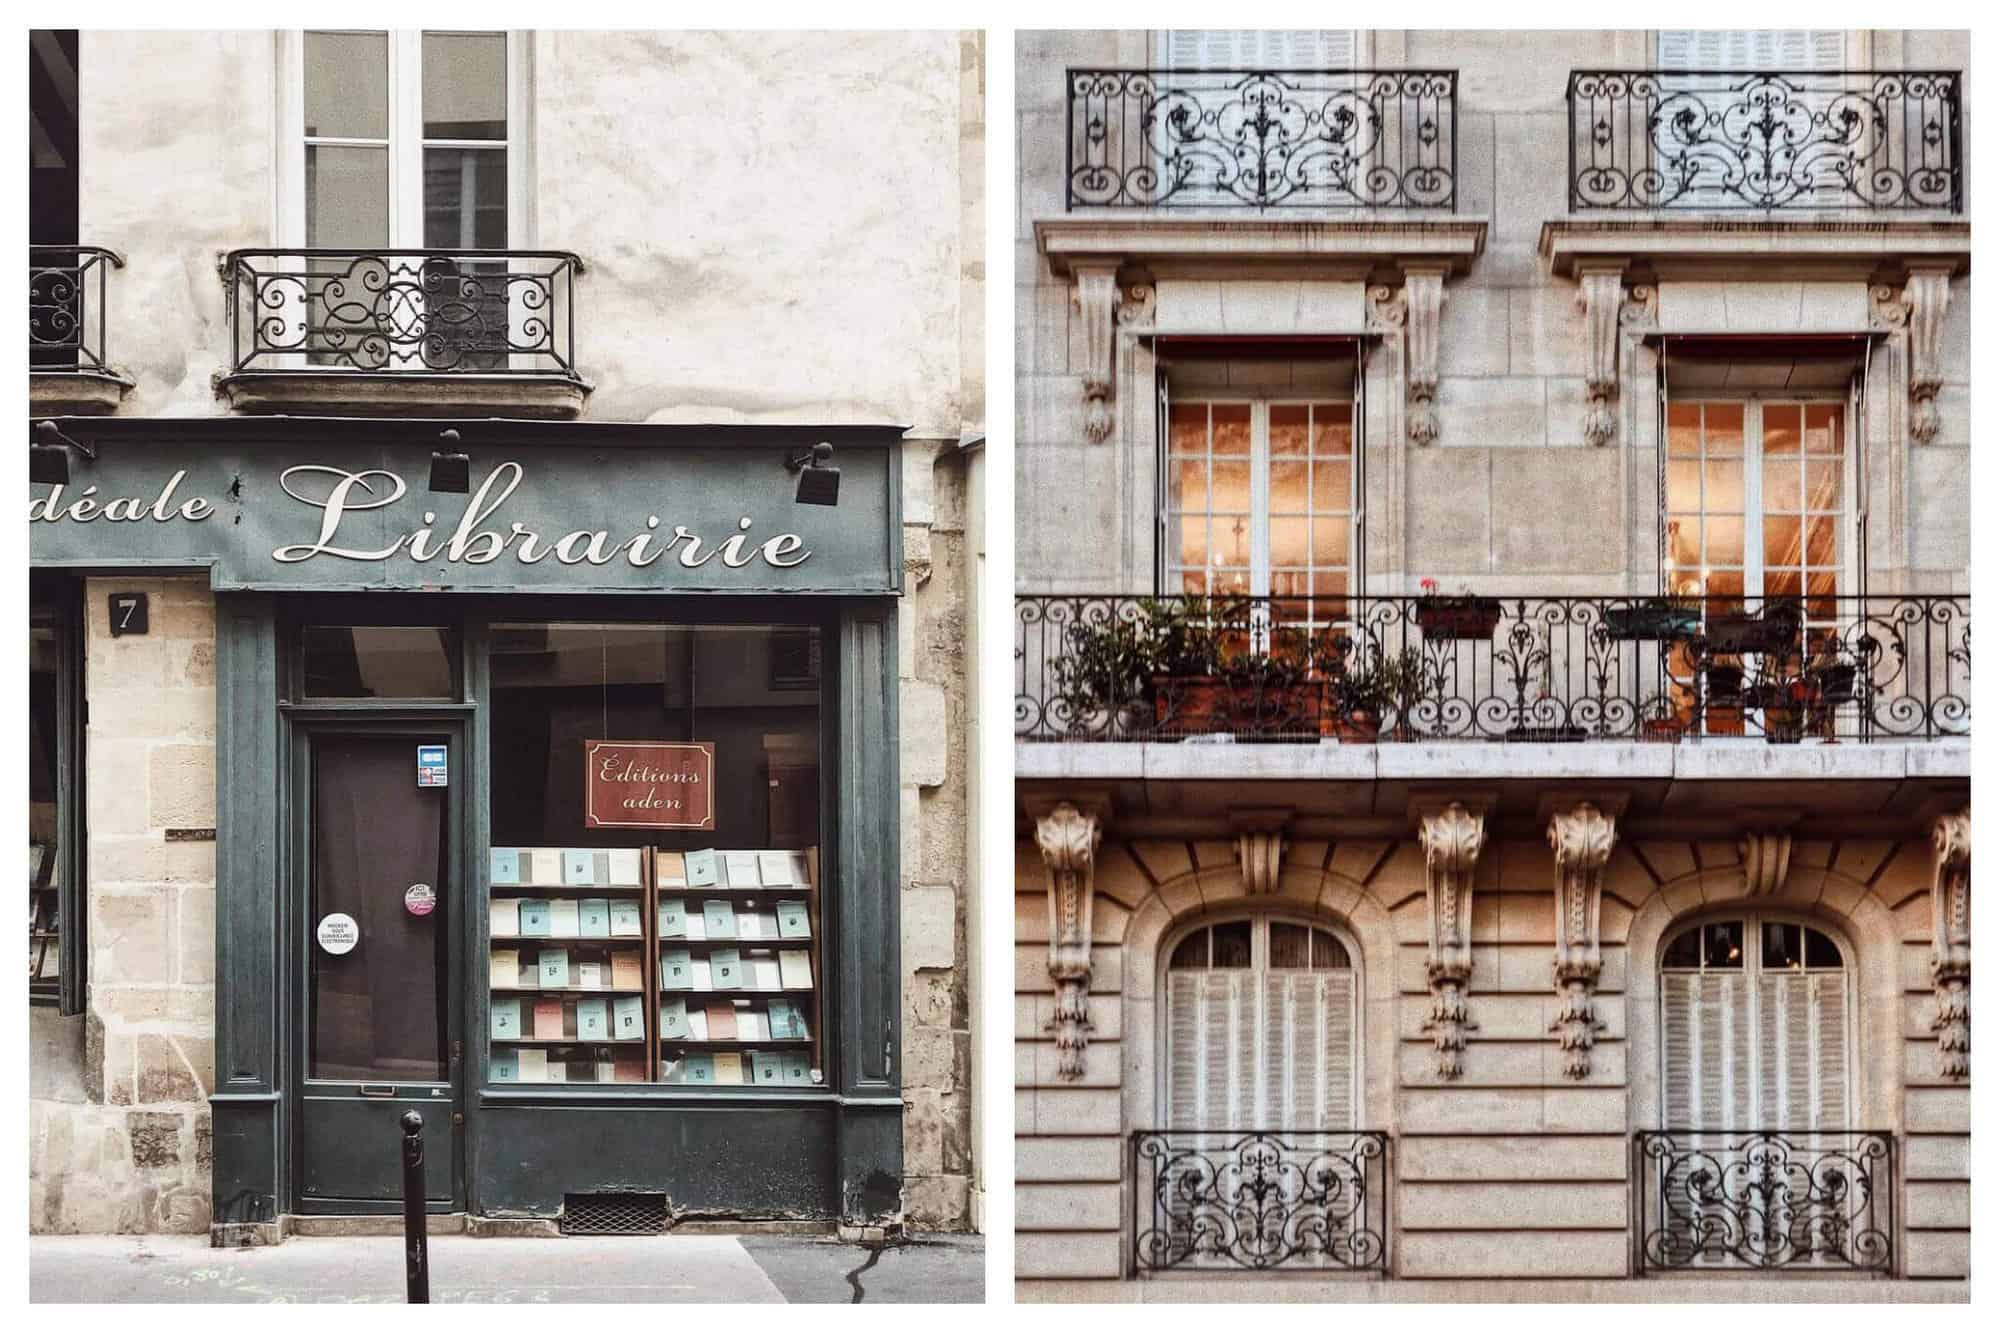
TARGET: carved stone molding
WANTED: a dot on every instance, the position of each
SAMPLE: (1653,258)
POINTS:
(1095,295)
(1767,859)
(1423,303)
(1600,294)
(1068,839)
(1452,839)
(1135,307)
(1927,294)
(1951,947)
(1582,838)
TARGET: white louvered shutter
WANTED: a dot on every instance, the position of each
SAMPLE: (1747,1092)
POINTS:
(1752,48)
(1261,1051)
(1251,48)
(1802,1043)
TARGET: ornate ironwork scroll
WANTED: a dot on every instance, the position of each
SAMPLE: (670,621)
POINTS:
(1263,138)
(66,307)
(1752,139)
(1237,1199)
(403,311)
(1767,1199)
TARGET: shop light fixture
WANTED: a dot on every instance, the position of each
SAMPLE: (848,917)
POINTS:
(819,479)
(451,470)
(48,454)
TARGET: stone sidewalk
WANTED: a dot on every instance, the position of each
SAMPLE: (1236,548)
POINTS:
(369,1270)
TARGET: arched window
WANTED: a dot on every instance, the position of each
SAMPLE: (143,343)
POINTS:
(1754,1022)
(1260,1028)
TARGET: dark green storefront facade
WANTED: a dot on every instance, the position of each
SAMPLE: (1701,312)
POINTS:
(633,533)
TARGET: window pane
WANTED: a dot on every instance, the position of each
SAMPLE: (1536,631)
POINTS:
(465,200)
(1822,483)
(1288,488)
(1332,487)
(1783,948)
(1722,428)
(1231,944)
(1232,428)
(1685,951)
(44,823)
(1722,483)
(378,662)
(1291,946)
(1232,487)
(1781,539)
(1288,542)
(1722,945)
(1188,480)
(1781,485)
(1288,430)
(1822,540)
(1684,486)
(1683,430)
(1724,539)
(1328,952)
(1822,428)
(347,85)
(1330,538)
(1821,951)
(1191,952)
(1333,430)
(1187,428)
(1194,540)
(465,85)
(347,197)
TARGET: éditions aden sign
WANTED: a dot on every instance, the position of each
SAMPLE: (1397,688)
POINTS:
(649,784)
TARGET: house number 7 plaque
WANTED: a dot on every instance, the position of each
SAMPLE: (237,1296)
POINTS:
(649,784)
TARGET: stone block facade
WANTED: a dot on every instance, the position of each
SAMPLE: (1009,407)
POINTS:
(118,1105)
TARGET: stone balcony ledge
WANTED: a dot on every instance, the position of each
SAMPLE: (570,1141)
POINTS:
(1856,246)
(1336,243)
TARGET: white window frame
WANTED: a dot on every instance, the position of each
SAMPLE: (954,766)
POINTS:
(1260,952)
(1359,45)
(1260,407)
(1753,967)
(406,141)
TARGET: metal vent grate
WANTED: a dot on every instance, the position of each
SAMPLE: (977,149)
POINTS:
(614,1214)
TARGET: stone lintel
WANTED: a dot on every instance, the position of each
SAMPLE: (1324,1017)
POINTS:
(1703,246)
(1373,240)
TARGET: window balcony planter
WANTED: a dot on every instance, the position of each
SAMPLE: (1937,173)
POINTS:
(1766,1201)
(391,332)
(1248,1200)
(1652,620)
(68,370)
(1458,617)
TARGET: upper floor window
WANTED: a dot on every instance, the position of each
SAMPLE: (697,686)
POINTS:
(1261,1028)
(405,140)
(1752,49)
(1258,48)
(1260,502)
(1754,1027)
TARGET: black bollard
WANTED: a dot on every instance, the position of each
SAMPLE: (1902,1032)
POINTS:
(416,1241)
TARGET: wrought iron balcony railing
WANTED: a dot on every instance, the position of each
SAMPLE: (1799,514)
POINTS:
(66,308)
(1747,139)
(1262,138)
(1244,1199)
(1769,1200)
(1491,668)
(403,312)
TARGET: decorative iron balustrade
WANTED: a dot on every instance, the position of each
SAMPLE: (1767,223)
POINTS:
(1662,139)
(417,312)
(1766,1200)
(1262,138)
(1260,1199)
(66,307)
(1492,668)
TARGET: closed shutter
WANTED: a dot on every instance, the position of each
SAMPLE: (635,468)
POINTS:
(1261,1052)
(1249,48)
(1752,49)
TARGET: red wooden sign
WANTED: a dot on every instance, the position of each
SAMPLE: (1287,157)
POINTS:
(648,784)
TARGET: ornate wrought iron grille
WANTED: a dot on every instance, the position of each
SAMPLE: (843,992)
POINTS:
(66,307)
(1829,669)
(1766,1199)
(419,312)
(1743,139)
(1256,1199)
(1262,138)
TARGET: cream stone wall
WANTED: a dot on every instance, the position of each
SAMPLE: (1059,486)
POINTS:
(1470,510)
(118,1125)
(775,227)
(1512,1170)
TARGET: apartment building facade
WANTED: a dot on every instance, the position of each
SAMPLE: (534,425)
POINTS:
(500,596)
(1493,665)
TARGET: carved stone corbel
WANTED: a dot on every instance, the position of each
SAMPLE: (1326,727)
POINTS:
(1600,294)
(1767,859)
(1452,839)
(1423,303)
(1927,294)
(1095,296)
(1260,847)
(1951,947)
(1068,840)
(1582,838)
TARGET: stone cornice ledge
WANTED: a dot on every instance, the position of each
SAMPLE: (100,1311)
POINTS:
(1366,240)
(1707,245)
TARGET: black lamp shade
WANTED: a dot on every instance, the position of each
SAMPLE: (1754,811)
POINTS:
(48,463)
(451,472)
(818,485)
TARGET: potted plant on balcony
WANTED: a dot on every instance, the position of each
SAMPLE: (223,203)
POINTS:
(1357,692)
(1653,619)
(1459,616)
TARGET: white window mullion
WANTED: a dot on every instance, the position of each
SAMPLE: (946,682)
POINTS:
(406,139)
(1753,498)
(1260,499)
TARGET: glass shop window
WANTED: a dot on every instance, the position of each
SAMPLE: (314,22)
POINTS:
(655,900)
(378,662)
(44,813)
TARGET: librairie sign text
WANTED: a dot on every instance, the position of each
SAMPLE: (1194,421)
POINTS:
(478,537)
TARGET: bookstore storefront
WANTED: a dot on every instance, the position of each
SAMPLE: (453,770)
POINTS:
(556,800)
